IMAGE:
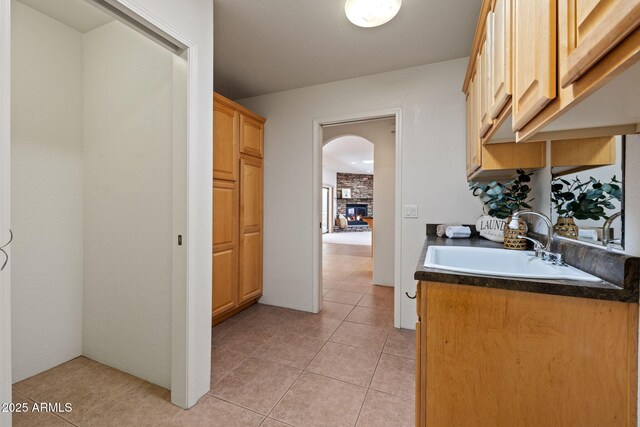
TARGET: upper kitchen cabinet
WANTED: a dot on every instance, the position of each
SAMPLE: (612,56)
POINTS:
(534,58)
(593,28)
(500,35)
(559,69)
(225,135)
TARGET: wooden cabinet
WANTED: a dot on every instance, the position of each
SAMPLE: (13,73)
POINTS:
(473,138)
(509,358)
(499,29)
(251,136)
(237,208)
(594,28)
(225,247)
(226,132)
(534,56)
(250,228)
(483,78)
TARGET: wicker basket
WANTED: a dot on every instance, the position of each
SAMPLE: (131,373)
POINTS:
(511,240)
(565,227)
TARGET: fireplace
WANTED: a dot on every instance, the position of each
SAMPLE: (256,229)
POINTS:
(356,211)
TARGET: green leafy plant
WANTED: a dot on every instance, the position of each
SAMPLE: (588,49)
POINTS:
(503,199)
(584,200)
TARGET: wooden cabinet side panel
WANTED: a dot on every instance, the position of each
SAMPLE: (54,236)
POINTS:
(497,357)
(251,232)
(225,141)
(534,48)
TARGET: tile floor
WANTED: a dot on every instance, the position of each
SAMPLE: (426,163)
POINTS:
(271,366)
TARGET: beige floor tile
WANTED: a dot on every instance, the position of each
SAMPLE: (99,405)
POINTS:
(360,335)
(361,276)
(245,337)
(315,326)
(342,285)
(383,302)
(223,327)
(270,422)
(401,342)
(144,405)
(325,291)
(317,401)
(345,363)
(343,297)
(395,375)
(334,310)
(213,412)
(386,410)
(223,361)
(381,290)
(26,417)
(256,384)
(290,348)
(371,316)
(86,388)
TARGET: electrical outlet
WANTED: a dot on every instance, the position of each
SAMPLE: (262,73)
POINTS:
(411,211)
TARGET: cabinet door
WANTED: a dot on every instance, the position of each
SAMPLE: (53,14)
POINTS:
(500,30)
(251,136)
(251,190)
(225,247)
(594,28)
(225,142)
(484,87)
(473,139)
(534,56)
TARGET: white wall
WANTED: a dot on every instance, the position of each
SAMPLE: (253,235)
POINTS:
(47,192)
(433,159)
(128,202)
(384,169)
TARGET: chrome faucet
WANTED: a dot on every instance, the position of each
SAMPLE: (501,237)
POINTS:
(541,251)
(606,227)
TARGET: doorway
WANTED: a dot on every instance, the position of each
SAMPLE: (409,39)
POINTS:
(351,267)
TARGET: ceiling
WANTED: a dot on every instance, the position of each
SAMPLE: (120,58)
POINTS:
(77,14)
(265,46)
(346,153)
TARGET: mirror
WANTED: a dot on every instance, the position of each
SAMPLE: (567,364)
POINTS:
(587,190)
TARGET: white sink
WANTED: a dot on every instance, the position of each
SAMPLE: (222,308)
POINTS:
(500,262)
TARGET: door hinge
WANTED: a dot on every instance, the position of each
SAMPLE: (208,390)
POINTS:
(179,239)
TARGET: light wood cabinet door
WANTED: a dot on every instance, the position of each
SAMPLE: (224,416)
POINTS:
(225,247)
(594,28)
(484,88)
(500,30)
(225,141)
(534,49)
(251,206)
(473,139)
(251,136)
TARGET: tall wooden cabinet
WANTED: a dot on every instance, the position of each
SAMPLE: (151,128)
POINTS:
(238,147)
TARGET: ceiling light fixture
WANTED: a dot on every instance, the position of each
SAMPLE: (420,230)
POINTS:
(371,13)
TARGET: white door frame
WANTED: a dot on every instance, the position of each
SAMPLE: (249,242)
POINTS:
(5,211)
(316,279)
(187,310)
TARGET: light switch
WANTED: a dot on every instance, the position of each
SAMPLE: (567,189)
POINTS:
(411,211)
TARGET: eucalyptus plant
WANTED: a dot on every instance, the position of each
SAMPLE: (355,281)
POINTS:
(503,199)
(584,200)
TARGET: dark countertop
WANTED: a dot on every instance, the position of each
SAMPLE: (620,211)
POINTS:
(623,271)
